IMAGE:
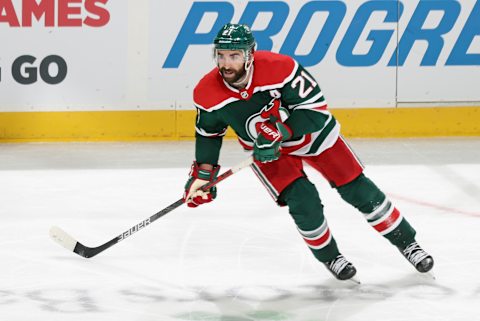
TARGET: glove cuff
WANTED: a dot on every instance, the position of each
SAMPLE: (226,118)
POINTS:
(284,130)
(205,174)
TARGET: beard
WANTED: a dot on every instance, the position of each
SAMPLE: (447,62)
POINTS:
(231,76)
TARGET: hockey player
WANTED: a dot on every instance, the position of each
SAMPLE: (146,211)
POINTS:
(278,111)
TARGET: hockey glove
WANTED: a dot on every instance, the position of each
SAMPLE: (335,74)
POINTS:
(198,177)
(270,135)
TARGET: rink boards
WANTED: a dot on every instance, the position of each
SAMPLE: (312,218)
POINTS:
(125,70)
(179,125)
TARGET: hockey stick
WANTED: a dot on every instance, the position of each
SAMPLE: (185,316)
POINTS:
(68,242)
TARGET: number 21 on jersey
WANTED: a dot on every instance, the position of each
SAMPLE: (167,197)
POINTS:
(305,84)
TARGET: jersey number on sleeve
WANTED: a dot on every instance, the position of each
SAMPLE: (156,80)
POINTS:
(303,80)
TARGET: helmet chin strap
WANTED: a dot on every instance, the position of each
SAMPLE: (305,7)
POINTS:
(248,60)
(242,82)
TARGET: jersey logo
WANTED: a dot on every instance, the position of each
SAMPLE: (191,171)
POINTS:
(272,109)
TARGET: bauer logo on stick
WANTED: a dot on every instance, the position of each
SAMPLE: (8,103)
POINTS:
(135,229)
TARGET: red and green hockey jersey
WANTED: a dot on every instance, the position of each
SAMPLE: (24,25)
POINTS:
(278,85)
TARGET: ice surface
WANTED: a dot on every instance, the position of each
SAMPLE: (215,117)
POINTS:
(239,258)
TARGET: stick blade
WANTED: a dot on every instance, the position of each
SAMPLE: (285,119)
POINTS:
(63,238)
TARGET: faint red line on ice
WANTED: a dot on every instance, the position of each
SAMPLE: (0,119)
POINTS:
(435,206)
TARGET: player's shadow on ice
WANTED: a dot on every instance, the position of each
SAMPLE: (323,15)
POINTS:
(330,300)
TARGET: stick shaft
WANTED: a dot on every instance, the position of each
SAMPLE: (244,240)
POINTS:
(179,202)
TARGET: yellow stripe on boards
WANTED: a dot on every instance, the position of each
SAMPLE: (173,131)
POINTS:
(88,126)
(409,122)
(179,125)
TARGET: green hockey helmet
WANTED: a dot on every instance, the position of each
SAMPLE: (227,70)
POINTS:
(235,37)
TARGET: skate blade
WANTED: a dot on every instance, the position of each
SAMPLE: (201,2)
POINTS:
(430,275)
(355,280)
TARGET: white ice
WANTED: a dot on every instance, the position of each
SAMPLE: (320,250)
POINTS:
(239,258)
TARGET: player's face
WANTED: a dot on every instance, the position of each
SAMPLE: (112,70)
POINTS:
(231,64)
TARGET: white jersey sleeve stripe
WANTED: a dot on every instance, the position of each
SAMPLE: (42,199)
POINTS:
(204,133)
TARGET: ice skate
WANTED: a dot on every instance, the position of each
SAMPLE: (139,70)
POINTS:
(421,260)
(341,268)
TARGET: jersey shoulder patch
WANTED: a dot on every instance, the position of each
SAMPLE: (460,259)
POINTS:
(273,70)
(211,93)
